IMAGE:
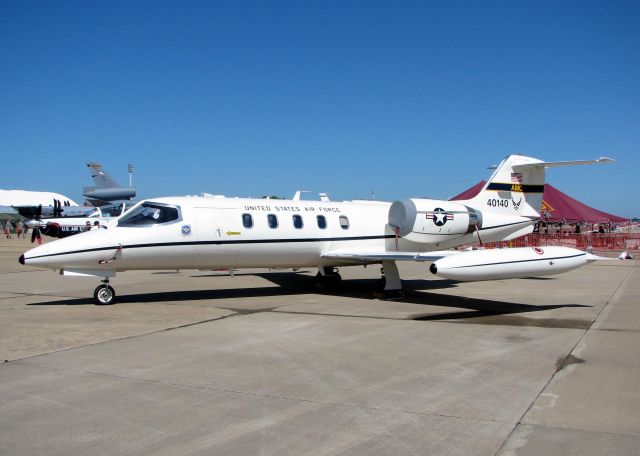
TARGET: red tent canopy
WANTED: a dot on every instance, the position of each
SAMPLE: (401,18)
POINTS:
(558,206)
(470,192)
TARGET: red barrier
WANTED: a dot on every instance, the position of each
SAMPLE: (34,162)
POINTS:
(596,241)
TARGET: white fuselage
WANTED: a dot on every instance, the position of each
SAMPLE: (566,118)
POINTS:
(216,233)
(31,198)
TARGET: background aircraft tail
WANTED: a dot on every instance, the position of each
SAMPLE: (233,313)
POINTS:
(100,176)
(106,188)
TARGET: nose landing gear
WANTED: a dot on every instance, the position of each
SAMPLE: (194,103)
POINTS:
(104,294)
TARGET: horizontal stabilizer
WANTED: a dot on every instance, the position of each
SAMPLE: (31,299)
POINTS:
(562,163)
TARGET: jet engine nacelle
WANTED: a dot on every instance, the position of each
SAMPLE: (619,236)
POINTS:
(428,221)
(496,264)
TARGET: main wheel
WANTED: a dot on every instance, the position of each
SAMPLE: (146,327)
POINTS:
(104,295)
(333,280)
(329,281)
(380,284)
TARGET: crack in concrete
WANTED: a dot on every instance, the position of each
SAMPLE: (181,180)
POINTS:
(295,399)
(123,338)
(564,362)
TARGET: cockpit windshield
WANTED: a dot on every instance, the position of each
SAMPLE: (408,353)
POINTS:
(150,213)
(115,210)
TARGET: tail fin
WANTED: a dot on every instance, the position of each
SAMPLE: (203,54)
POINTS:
(100,177)
(517,185)
(106,189)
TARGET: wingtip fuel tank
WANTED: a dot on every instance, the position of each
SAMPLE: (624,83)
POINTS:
(495,264)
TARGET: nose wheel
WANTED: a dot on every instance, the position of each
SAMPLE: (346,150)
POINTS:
(104,294)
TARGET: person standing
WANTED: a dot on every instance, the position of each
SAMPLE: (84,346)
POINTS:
(19,229)
(9,229)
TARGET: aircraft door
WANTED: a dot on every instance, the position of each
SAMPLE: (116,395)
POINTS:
(213,251)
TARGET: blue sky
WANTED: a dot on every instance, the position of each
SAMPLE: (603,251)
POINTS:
(345,97)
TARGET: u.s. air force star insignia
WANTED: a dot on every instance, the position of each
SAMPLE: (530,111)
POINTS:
(439,216)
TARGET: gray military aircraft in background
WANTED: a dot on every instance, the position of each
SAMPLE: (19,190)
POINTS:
(105,201)
(106,190)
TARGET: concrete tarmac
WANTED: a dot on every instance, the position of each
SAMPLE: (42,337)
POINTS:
(201,363)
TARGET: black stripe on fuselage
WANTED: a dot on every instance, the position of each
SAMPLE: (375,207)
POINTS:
(226,242)
(520,261)
(513,187)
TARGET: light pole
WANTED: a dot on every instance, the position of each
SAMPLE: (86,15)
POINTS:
(130,167)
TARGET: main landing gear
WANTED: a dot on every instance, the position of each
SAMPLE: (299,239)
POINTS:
(104,294)
(328,278)
(389,285)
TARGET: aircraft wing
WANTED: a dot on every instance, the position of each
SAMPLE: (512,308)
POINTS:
(388,256)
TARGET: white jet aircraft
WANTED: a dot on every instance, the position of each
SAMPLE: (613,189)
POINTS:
(227,233)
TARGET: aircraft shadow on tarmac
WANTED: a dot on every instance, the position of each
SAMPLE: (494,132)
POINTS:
(479,311)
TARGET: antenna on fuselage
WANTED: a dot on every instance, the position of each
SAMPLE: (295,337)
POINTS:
(296,197)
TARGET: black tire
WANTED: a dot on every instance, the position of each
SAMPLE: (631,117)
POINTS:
(104,295)
(334,281)
(330,281)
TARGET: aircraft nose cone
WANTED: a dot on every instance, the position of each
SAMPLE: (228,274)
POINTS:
(21,259)
(433,268)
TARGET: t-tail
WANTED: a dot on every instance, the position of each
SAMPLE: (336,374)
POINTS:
(100,176)
(517,185)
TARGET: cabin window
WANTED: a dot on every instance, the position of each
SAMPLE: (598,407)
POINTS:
(344,222)
(297,221)
(272,220)
(247,220)
(148,214)
(322,222)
